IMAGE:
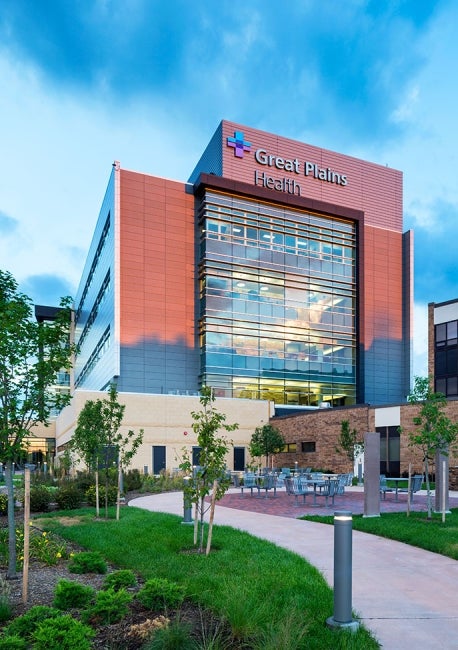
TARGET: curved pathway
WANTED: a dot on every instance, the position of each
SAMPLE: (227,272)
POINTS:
(404,595)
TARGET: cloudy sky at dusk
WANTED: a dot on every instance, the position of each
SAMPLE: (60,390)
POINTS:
(147,82)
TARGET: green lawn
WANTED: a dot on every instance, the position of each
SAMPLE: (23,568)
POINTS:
(417,530)
(269,596)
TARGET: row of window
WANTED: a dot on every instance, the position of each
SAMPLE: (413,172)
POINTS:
(308,447)
(446,333)
(101,296)
(98,352)
(447,385)
(274,240)
(281,390)
(248,211)
(95,261)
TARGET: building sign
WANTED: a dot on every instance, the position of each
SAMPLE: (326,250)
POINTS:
(307,168)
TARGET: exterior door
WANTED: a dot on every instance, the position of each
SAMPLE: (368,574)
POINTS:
(390,450)
(239,459)
(195,456)
(158,458)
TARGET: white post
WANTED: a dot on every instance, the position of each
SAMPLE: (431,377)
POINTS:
(443,491)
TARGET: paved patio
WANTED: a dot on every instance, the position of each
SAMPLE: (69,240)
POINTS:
(283,505)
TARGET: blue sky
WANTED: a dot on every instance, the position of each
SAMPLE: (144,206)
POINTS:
(146,82)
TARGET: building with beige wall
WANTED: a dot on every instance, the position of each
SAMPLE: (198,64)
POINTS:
(167,424)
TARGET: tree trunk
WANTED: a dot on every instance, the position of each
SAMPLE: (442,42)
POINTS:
(196,522)
(212,514)
(201,534)
(11,573)
(428,488)
(25,562)
(118,495)
(97,498)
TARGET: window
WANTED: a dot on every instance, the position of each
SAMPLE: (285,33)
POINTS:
(290,447)
(308,447)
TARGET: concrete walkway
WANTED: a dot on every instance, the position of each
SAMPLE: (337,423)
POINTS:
(404,595)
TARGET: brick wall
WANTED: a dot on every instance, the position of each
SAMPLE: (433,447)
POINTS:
(323,427)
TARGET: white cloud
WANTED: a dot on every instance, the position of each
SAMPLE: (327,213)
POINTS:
(420,344)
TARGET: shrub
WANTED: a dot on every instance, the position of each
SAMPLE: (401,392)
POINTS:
(25,625)
(112,495)
(165,482)
(83,481)
(176,636)
(68,497)
(132,480)
(110,606)
(40,498)
(62,633)
(6,609)
(120,580)
(69,594)
(87,562)
(160,593)
(3,504)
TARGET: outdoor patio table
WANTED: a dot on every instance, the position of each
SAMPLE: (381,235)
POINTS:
(397,480)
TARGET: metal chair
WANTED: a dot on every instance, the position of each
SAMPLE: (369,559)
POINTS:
(296,488)
(416,481)
(341,483)
(328,490)
(249,483)
(384,487)
(267,482)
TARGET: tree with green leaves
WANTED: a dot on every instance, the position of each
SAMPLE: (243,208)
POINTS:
(31,354)
(211,475)
(434,431)
(100,442)
(266,441)
(88,441)
(349,443)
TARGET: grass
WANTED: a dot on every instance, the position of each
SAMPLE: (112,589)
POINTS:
(416,530)
(271,598)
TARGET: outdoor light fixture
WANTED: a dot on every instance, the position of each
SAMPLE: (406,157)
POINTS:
(187,505)
(342,618)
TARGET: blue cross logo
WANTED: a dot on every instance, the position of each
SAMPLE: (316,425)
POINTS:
(238,144)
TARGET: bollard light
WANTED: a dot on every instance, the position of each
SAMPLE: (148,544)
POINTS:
(343,522)
(187,505)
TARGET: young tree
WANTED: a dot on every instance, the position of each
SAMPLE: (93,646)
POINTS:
(88,440)
(349,443)
(265,441)
(434,430)
(100,442)
(31,355)
(211,473)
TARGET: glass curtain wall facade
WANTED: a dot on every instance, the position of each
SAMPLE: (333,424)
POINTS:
(277,302)
(446,358)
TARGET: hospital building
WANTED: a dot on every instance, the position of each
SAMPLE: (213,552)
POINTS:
(279,274)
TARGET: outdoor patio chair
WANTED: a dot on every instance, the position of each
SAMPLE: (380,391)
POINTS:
(295,488)
(342,482)
(416,481)
(384,487)
(328,490)
(268,482)
(249,483)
